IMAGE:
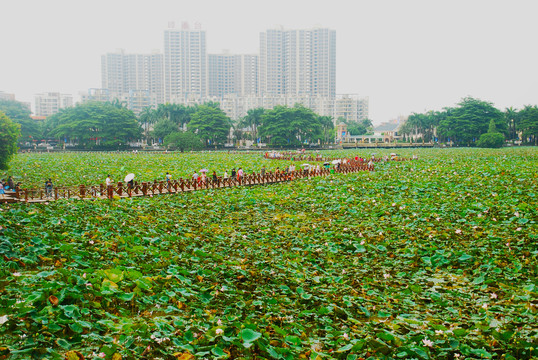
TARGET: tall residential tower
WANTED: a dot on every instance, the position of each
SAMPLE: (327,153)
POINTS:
(232,74)
(123,73)
(298,62)
(185,63)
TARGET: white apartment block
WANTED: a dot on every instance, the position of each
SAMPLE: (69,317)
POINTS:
(185,68)
(6,96)
(99,95)
(224,74)
(122,73)
(139,99)
(293,66)
(47,104)
(298,62)
(249,75)
(351,108)
(231,74)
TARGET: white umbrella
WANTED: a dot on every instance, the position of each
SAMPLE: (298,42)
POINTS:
(337,161)
(129,177)
(305,165)
(204,170)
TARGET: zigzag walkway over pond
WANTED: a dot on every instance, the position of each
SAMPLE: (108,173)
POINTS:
(121,189)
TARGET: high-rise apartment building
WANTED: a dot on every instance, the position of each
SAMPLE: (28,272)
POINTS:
(250,75)
(123,73)
(185,70)
(298,62)
(231,74)
(223,74)
(293,66)
(50,103)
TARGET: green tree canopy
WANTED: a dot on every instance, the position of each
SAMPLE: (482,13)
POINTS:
(177,113)
(327,126)
(20,113)
(357,127)
(9,134)
(147,118)
(163,128)
(421,125)
(184,141)
(94,124)
(492,139)
(211,124)
(294,126)
(511,116)
(252,121)
(528,123)
(470,120)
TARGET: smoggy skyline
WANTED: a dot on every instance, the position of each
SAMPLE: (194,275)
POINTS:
(406,56)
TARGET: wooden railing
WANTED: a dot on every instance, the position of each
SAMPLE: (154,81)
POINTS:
(177,186)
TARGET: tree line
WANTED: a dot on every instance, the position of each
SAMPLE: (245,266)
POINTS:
(110,125)
(471,119)
(194,127)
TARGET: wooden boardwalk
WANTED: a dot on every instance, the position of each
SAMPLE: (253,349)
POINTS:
(122,190)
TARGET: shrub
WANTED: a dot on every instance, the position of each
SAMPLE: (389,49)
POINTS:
(491,140)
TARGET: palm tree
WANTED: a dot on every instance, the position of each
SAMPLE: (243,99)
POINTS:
(179,114)
(252,120)
(118,104)
(511,119)
(147,118)
(327,125)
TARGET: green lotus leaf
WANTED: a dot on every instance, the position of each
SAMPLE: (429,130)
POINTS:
(126,296)
(219,353)
(344,348)
(249,335)
(465,257)
(293,340)
(76,327)
(63,343)
(114,275)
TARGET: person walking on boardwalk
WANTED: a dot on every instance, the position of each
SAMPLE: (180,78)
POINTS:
(10,185)
(214,177)
(233,174)
(240,175)
(109,188)
(48,187)
(2,191)
(168,180)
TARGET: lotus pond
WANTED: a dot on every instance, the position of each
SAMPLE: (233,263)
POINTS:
(427,259)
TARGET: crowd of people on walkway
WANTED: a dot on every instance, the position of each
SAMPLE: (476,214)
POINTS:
(7,186)
(205,177)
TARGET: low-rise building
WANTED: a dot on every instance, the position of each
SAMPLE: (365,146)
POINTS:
(47,104)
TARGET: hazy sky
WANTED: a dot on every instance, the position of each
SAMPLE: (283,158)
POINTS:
(406,55)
